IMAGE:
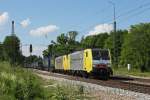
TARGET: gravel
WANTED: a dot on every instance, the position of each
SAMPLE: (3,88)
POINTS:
(99,92)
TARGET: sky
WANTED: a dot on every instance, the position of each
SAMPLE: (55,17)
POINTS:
(38,22)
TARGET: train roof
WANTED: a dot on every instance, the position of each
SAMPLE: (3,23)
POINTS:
(77,51)
(99,49)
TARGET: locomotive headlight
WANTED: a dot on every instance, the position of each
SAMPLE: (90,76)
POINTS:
(109,65)
(94,65)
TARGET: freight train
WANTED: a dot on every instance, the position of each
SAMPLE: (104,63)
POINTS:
(86,62)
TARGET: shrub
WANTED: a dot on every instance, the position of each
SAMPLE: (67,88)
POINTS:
(19,84)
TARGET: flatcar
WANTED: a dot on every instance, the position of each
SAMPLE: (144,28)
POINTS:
(87,62)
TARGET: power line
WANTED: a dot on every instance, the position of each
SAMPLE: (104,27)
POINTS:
(124,16)
(133,10)
(110,21)
(137,13)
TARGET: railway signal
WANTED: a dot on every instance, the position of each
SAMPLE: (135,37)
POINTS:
(30,48)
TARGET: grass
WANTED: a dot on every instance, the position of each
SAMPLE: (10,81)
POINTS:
(66,92)
(133,72)
(20,84)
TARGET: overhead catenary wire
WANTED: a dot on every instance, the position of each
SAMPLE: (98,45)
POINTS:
(127,13)
(134,14)
(133,10)
(119,17)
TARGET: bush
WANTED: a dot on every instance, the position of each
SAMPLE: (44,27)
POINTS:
(19,84)
(67,92)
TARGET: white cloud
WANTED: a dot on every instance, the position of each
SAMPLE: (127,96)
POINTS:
(43,30)
(102,28)
(3,18)
(37,50)
(25,23)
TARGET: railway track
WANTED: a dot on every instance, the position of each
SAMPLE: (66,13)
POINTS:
(126,83)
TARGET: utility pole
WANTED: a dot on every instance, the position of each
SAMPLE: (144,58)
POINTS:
(13,29)
(13,42)
(115,51)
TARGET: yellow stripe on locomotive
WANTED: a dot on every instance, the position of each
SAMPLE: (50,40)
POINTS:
(65,62)
(87,60)
(68,62)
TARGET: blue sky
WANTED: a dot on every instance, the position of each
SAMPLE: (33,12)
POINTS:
(53,17)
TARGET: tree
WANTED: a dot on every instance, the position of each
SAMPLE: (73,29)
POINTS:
(95,41)
(62,39)
(89,42)
(65,44)
(100,40)
(32,59)
(60,48)
(12,49)
(45,53)
(136,49)
(1,51)
(120,36)
(72,37)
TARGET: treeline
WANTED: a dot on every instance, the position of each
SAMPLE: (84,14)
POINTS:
(10,50)
(127,46)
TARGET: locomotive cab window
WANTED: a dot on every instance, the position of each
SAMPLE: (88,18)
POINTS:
(100,55)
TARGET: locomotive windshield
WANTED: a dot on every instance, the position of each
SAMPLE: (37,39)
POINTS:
(100,55)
